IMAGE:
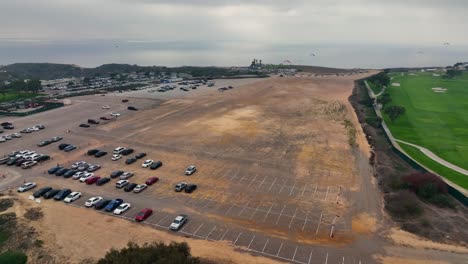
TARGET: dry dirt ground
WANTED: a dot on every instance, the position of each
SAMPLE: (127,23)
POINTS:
(276,173)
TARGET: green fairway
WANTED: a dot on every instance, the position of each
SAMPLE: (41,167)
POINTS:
(11,96)
(436,121)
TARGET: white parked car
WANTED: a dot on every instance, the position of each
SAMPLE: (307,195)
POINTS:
(105,107)
(147,163)
(86,176)
(2,139)
(116,157)
(72,197)
(178,222)
(119,150)
(190,170)
(120,184)
(122,208)
(115,114)
(139,188)
(93,201)
(28,164)
(78,175)
(27,186)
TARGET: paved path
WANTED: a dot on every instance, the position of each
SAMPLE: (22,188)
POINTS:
(436,158)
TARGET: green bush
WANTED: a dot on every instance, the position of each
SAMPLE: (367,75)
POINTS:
(427,190)
(374,121)
(442,200)
(403,205)
(13,257)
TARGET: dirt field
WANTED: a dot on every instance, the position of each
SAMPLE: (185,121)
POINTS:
(282,162)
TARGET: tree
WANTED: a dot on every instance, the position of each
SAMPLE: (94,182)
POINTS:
(394,111)
(34,86)
(453,73)
(384,99)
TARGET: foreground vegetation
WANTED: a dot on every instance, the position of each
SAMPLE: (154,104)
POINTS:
(153,253)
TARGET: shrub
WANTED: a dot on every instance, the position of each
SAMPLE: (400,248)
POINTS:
(13,257)
(416,180)
(442,200)
(374,121)
(403,204)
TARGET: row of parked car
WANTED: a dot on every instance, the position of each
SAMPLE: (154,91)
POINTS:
(96,122)
(67,147)
(8,125)
(49,141)
(116,206)
(24,158)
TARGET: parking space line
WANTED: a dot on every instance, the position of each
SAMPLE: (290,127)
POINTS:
(305,221)
(242,178)
(294,256)
(316,186)
(303,190)
(194,233)
(210,232)
(244,208)
(279,216)
(264,219)
(188,223)
(253,179)
(227,212)
(256,209)
(292,218)
(326,195)
(268,240)
(282,187)
(326,258)
(210,201)
(273,183)
(227,172)
(318,225)
(235,175)
(227,230)
(162,219)
(279,250)
(237,238)
(342,261)
(292,189)
(262,182)
(251,242)
(310,256)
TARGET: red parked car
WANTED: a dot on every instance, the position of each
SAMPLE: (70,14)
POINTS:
(92,180)
(143,215)
(152,180)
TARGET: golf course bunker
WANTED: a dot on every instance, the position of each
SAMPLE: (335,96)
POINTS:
(439,90)
(396,84)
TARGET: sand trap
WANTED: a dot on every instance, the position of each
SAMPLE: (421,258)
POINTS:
(435,75)
(439,90)
(396,84)
(412,74)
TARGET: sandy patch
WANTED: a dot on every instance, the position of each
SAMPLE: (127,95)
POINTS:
(439,90)
(63,228)
(435,75)
(396,84)
(241,120)
(397,260)
(364,224)
(407,239)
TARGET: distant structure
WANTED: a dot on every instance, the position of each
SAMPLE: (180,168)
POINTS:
(256,64)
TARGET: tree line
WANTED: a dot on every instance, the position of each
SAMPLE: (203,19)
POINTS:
(22,86)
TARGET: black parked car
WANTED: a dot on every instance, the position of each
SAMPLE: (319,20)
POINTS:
(140,155)
(130,187)
(100,154)
(69,173)
(63,146)
(102,181)
(84,125)
(91,152)
(92,121)
(156,165)
(51,193)
(61,172)
(101,204)
(130,160)
(127,151)
(62,194)
(6,124)
(41,191)
(44,143)
(190,188)
(116,174)
(20,161)
(43,158)
(53,170)
(132,108)
(12,161)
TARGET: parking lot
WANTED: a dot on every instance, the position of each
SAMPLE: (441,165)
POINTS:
(255,187)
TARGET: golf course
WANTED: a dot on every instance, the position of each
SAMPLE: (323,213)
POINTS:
(436,118)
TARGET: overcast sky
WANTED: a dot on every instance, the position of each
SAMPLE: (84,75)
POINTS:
(250,24)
